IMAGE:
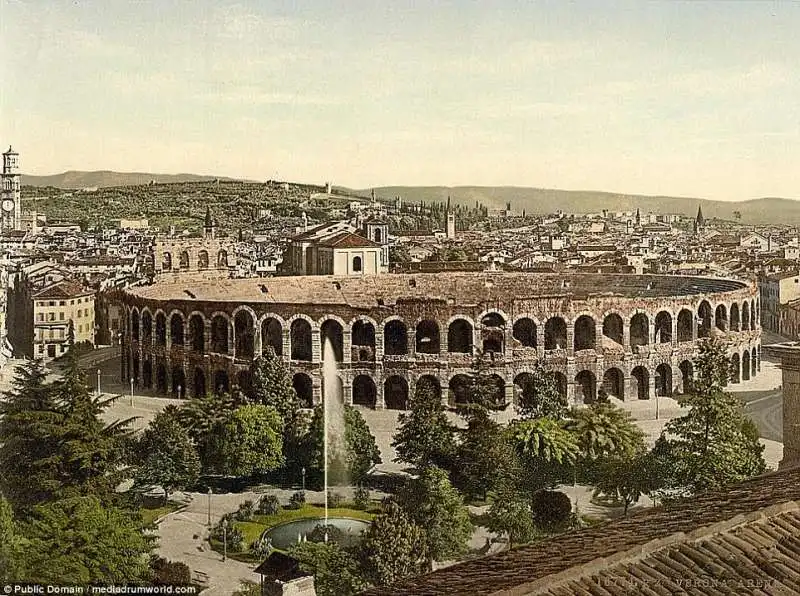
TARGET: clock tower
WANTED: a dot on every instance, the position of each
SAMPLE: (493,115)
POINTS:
(10,198)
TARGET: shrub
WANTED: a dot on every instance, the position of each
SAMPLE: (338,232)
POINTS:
(246,511)
(361,498)
(297,500)
(261,547)
(551,509)
(170,573)
(318,534)
(269,505)
(335,499)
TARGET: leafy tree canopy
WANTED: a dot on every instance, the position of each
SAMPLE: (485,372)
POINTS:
(251,441)
(335,571)
(425,436)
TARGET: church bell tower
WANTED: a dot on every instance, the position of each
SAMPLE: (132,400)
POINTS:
(10,207)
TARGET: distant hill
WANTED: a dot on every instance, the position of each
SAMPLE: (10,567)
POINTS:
(543,200)
(105,178)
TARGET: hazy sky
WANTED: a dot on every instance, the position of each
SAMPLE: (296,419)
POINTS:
(696,99)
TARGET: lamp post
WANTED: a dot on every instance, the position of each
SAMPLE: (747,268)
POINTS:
(303,472)
(131,391)
(98,382)
(209,507)
(224,540)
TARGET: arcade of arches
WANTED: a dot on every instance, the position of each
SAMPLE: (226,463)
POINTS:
(633,355)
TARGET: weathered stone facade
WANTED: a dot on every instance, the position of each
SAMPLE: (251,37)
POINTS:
(630,336)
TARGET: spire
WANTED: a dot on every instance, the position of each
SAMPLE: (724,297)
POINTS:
(638,217)
(448,204)
(700,219)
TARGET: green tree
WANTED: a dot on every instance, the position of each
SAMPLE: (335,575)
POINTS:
(31,424)
(272,385)
(714,444)
(251,441)
(542,397)
(12,545)
(335,571)
(603,431)
(432,503)
(480,393)
(548,451)
(362,449)
(202,418)
(399,254)
(168,458)
(627,478)
(485,459)
(511,514)
(393,547)
(425,436)
(80,541)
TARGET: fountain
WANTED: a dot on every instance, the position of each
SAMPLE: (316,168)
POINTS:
(333,419)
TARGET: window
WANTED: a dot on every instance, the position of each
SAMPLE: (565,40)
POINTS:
(61,316)
(40,317)
(51,316)
(357,264)
(62,303)
(80,328)
(51,303)
(41,348)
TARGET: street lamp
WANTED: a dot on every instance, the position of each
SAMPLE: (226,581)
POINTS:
(98,382)
(209,507)
(303,472)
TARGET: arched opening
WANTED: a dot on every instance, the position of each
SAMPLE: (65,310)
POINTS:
(178,382)
(754,315)
(244,332)
(459,337)
(555,334)
(721,318)
(222,383)
(524,331)
(561,383)
(300,340)
(332,331)
(735,321)
(526,386)
(161,329)
(357,266)
(202,259)
(135,367)
(147,328)
(640,382)
(736,373)
(754,363)
(176,330)
(586,387)
(395,338)
(746,365)
(363,340)
(687,375)
(199,382)
(663,380)
(704,319)
(745,316)
(222,259)
(135,325)
(612,329)
(197,328)
(395,393)
(244,381)
(272,336)
(613,383)
(427,334)
(498,395)
(663,328)
(378,235)
(431,383)
(585,338)
(184,260)
(161,378)
(640,330)
(219,336)
(364,391)
(493,332)
(304,388)
(147,373)
(685,323)
(166,261)
(459,386)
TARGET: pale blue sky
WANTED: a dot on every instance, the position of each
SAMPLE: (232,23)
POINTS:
(681,98)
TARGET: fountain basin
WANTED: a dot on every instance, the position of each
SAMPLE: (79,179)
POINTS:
(285,535)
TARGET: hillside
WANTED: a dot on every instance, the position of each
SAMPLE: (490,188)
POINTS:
(541,200)
(105,178)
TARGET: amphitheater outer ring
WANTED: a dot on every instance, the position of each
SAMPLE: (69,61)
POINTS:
(650,359)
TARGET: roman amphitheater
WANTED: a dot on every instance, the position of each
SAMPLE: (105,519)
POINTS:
(630,336)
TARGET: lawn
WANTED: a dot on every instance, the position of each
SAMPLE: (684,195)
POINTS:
(151,514)
(252,530)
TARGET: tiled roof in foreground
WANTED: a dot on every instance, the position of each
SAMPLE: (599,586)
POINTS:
(741,540)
